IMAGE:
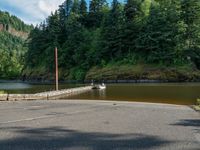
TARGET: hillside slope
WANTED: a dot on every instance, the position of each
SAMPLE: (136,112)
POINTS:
(13,34)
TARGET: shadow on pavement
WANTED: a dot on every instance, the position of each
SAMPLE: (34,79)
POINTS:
(60,138)
(189,123)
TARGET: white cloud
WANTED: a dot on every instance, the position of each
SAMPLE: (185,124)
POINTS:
(47,6)
(31,11)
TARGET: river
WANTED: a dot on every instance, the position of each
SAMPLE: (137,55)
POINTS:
(172,93)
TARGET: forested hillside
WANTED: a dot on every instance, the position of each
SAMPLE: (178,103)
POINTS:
(12,45)
(9,21)
(138,39)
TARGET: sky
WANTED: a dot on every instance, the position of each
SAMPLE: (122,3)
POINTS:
(30,11)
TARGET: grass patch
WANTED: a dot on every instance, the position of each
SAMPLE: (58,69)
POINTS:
(39,72)
(197,106)
(2,92)
(143,71)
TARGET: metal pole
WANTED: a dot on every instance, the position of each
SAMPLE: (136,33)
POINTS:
(56,69)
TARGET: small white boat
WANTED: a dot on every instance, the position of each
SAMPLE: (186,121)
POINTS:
(100,86)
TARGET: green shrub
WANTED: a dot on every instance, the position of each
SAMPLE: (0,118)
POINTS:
(198,102)
(2,92)
(77,74)
(197,106)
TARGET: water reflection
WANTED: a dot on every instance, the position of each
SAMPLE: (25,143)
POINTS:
(175,93)
(14,86)
(102,93)
(25,88)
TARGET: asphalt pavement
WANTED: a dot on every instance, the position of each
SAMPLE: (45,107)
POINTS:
(97,125)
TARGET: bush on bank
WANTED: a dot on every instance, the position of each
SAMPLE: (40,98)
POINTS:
(197,106)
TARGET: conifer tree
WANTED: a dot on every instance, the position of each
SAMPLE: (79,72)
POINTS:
(96,12)
(191,17)
(83,12)
(111,40)
(83,8)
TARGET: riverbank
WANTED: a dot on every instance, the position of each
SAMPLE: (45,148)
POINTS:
(145,73)
(120,74)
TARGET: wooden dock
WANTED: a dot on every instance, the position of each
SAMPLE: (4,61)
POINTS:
(50,95)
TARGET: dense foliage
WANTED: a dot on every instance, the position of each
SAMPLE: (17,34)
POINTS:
(12,48)
(12,52)
(164,32)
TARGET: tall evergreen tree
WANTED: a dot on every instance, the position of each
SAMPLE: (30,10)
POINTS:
(83,12)
(83,8)
(132,9)
(75,7)
(191,17)
(67,7)
(96,12)
(111,40)
(132,26)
